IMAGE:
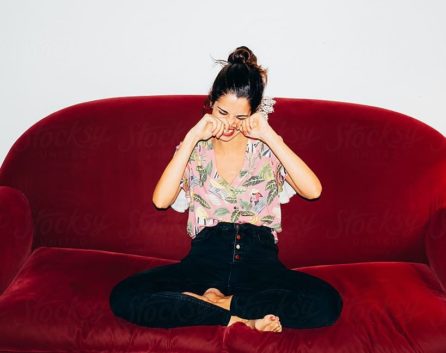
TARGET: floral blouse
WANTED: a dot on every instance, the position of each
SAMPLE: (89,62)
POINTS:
(254,196)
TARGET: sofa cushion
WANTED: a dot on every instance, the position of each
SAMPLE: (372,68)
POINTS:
(59,302)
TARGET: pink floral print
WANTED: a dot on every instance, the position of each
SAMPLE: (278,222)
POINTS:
(252,197)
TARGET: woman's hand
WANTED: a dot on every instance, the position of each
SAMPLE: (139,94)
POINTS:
(255,126)
(209,126)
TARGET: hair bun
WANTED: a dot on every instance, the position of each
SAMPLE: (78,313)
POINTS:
(242,55)
(241,76)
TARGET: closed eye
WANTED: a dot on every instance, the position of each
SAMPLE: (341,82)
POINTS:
(239,118)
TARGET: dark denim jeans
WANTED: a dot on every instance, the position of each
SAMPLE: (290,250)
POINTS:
(239,260)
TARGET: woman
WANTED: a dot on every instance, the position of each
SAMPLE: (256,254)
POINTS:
(232,171)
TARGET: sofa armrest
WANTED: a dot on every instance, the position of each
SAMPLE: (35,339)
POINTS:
(435,245)
(16,233)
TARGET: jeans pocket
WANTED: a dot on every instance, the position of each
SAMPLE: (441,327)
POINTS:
(203,235)
(265,238)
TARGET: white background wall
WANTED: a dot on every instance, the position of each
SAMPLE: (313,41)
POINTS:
(55,53)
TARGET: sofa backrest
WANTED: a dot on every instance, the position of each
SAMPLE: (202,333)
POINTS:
(89,171)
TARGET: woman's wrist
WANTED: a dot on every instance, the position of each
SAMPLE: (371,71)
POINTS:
(191,137)
(271,136)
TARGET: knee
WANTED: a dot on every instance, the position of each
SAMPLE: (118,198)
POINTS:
(331,304)
(121,297)
(117,297)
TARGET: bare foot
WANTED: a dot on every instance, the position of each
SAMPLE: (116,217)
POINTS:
(269,322)
(214,291)
(213,296)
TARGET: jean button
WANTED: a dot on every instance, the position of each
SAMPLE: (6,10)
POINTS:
(237,246)
(237,257)
(238,236)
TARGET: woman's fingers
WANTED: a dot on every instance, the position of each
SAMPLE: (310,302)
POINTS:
(224,125)
(218,127)
(244,127)
(221,129)
(214,126)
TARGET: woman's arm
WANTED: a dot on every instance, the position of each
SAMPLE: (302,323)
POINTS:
(167,188)
(300,176)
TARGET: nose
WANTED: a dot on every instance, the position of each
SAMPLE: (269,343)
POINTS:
(233,123)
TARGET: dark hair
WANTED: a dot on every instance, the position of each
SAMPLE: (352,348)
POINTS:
(240,75)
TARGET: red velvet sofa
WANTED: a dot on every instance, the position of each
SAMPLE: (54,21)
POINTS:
(76,217)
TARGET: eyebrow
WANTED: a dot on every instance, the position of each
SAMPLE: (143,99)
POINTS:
(227,112)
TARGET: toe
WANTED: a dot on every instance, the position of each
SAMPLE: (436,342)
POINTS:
(271,326)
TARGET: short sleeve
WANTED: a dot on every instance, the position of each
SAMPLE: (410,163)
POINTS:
(181,203)
(285,190)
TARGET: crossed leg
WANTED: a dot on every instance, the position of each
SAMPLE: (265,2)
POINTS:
(300,300)
(167,296)
(214,296)
(155,298)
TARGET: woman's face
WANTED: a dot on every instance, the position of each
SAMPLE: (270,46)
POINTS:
(232,109)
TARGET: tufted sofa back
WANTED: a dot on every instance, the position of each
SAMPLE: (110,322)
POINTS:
(89,170)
